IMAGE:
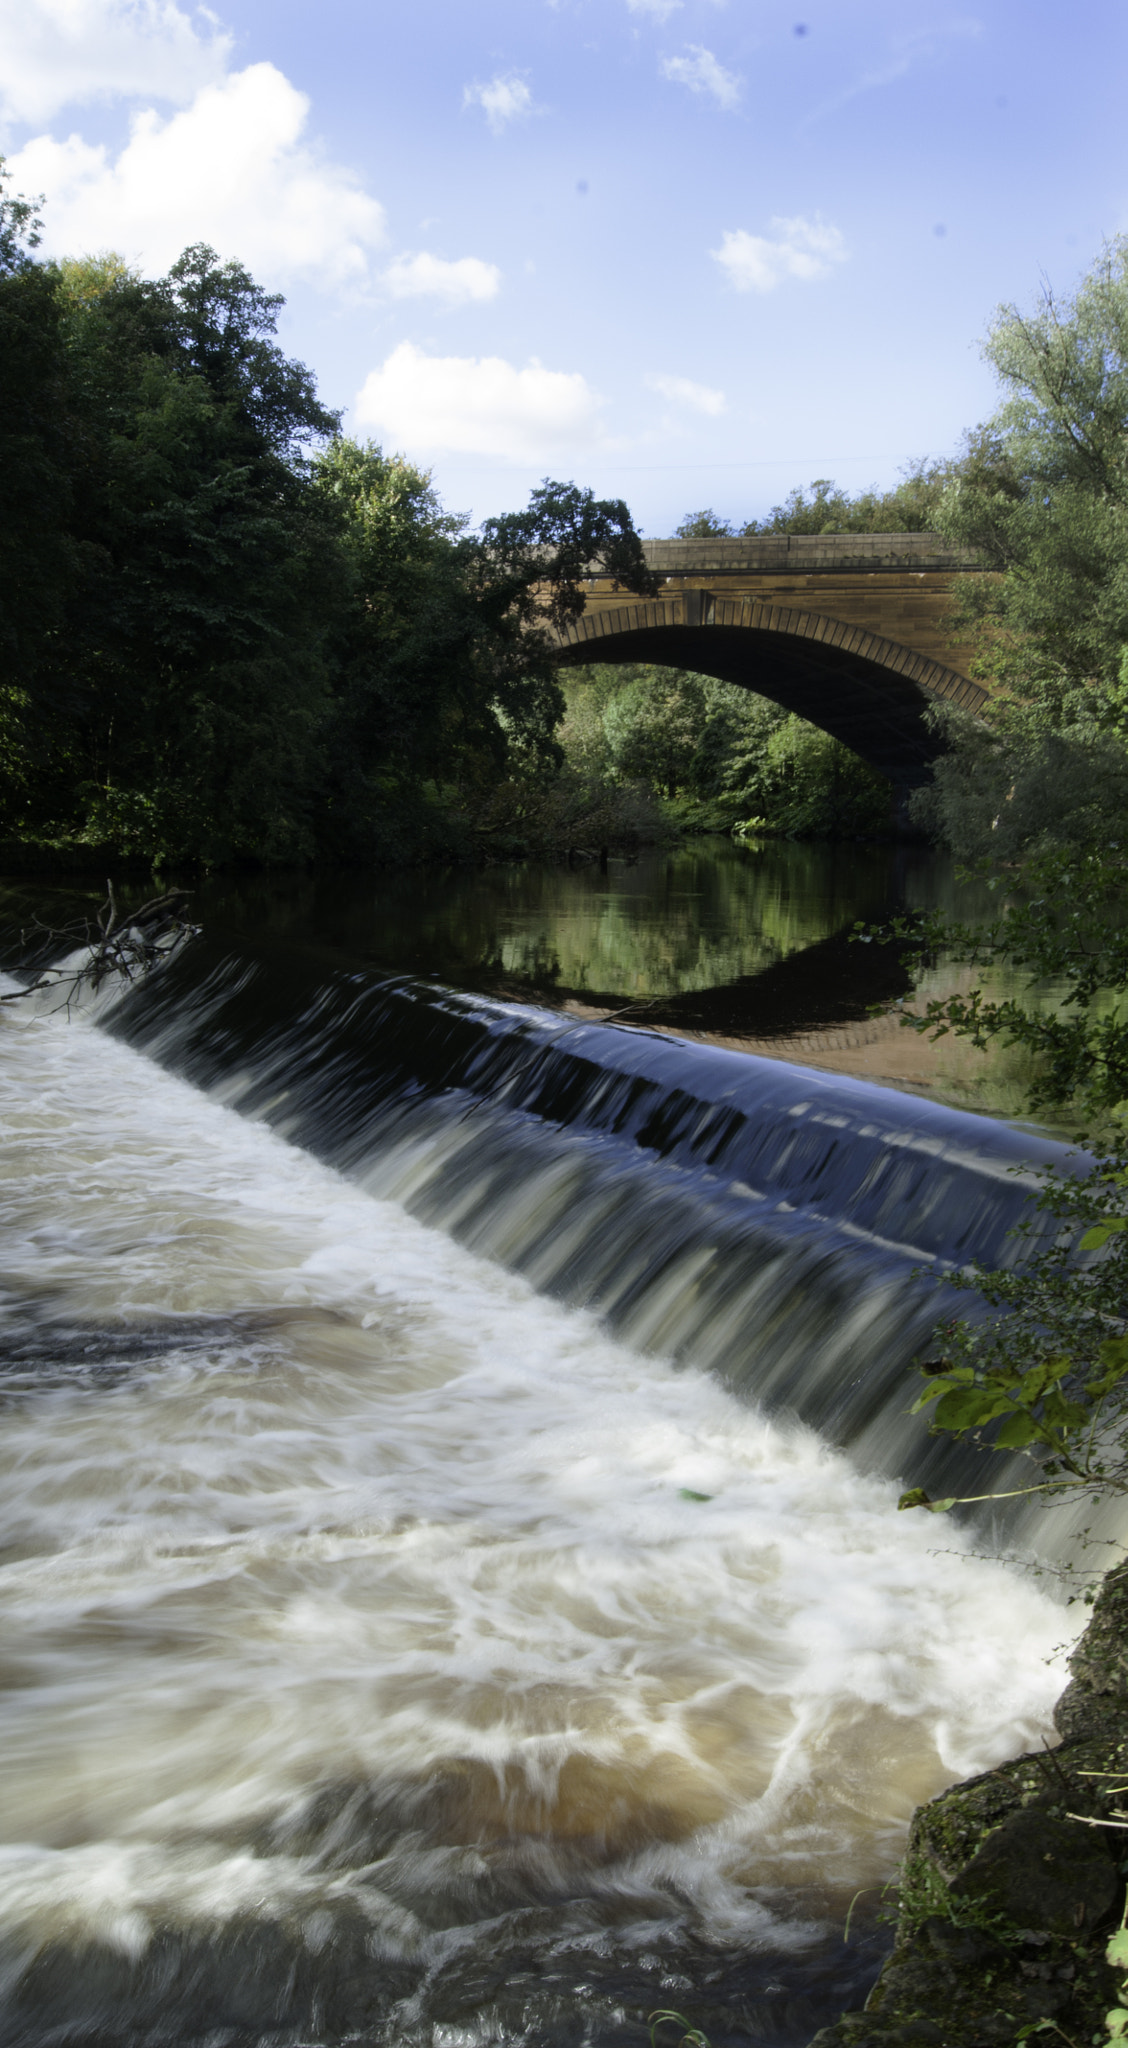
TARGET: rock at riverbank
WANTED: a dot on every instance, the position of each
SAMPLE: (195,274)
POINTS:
(1012,1881)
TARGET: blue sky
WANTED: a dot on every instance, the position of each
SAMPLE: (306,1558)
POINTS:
(687,252)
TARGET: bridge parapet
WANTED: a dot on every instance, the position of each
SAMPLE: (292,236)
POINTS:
(808,554)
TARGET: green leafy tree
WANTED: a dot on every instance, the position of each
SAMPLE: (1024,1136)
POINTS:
(405,696)
(190,673)
(38,556)
(653,727)
(444,657)
(704,525)
(1042,494)
(912,506)
(729,752)
(1038,797)
(802,781)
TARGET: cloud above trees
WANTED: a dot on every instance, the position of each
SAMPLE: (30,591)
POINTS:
(481,405)
(234,168)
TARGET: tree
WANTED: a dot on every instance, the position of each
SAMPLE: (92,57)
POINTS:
(1043,496)
(910,507)
(653,727)
(1042,493)
(802,781)
(443,656)
(38,558)
(704,526)
(176,708)
(533,563)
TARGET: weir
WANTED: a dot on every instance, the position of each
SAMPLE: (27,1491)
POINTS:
(788,1230)
(437,1609)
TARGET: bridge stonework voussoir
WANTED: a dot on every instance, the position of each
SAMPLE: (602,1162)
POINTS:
(851,631)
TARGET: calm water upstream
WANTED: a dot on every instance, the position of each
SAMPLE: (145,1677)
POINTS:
(450,1580)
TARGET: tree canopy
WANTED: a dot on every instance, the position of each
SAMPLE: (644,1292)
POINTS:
(1038,797)
(226,630)
(912,506)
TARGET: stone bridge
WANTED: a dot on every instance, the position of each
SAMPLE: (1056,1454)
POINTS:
(849,630)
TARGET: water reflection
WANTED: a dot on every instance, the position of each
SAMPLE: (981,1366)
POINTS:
(738,941)
(667,925)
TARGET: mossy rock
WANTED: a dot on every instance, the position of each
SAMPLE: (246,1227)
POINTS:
(1038,1871)
(868,2030)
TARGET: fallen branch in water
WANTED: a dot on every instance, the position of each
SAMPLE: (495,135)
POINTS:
(126,944)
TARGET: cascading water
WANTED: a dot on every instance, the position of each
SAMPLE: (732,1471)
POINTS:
(405,1640)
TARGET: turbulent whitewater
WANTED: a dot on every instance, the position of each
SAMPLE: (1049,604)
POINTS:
(395,1650)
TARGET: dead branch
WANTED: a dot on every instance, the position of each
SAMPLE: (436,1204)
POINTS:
(122,944)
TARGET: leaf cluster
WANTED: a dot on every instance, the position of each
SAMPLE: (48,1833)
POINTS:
(1045,1373)
(1042,491)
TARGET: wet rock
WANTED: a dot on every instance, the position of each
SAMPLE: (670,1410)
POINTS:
(867,2030)
(982,1988)
(1095,1702)
(1039,1872)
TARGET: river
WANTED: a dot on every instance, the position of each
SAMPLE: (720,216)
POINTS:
(452,1590)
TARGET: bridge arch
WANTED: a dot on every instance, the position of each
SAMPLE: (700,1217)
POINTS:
(869,691)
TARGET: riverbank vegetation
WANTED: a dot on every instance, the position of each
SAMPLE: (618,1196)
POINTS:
(649,753)
(1037,800)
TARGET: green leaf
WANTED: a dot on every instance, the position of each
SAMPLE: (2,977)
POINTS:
(687,1493)
(1035,1382)
(1117,1950)
(1101,1232)
(968,1407)
(1061,1414)
(1020,1430)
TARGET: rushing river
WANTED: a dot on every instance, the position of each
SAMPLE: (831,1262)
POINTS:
(436,1607)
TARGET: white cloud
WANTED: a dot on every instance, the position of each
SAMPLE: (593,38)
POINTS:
(477,405)
(701,72)
(504,99)
(683,391)
(659,10)
(55,53)
(231,169)
(801,248)
(432,277)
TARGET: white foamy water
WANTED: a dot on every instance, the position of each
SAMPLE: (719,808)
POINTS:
(382,1597)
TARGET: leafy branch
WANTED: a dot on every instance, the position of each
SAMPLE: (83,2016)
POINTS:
(1046,1375)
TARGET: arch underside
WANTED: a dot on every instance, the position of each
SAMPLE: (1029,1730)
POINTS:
(869,692)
